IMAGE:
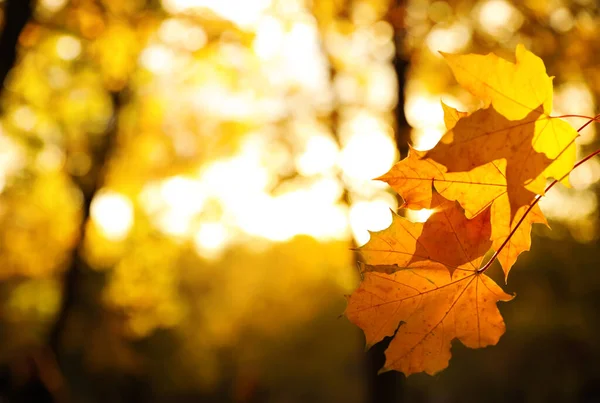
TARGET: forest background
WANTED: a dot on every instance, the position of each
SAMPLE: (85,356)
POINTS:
(182,181)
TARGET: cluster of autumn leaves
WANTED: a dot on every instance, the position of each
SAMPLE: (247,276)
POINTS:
(424,283)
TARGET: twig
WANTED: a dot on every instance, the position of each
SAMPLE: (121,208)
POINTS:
(539,197)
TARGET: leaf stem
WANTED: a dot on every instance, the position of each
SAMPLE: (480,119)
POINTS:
(589,118)
(539,197)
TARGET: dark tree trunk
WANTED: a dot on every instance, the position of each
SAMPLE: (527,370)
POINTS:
(20,380)
(74,277)
(389,387)
(16,15)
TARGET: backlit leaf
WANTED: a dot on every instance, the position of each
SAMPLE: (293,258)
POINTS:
(432,308)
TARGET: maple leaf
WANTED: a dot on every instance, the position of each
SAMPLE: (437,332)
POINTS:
(446,238)
(488,158)
(520,91)
(424,278)
(424,283)
(503,170)
(502,182)
(432,308)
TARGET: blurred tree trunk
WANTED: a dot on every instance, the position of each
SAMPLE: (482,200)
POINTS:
(74,277)
(388,387)
(16,15)
(39,372)
(21,380)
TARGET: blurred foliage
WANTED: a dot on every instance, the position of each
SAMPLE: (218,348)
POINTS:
(199,155)
(202,166)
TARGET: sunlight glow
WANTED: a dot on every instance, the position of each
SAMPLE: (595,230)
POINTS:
(561,19)
(286,76)
(157,59)
(576,97)
(575,209)
(304,59)
(243,13)
(419,215)
(178,32)
(368,216)
(425,114)
(319,156)
(25,118)
(173,222)
(173,203)
(12,159)
(585,175)
(499,18)
(68,47)
(183,194)
(51,158)
(269,38)
(227,179)
(568,205)
(210,239)
(53,5)
(451,39)
(426,138)
(382,88)
(369,150)
(304,211)
(112,212)
(422,109)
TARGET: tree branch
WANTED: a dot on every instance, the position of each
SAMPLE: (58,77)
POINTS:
(73,276)
(16,15)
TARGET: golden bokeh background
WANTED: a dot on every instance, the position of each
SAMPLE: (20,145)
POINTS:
(182,183)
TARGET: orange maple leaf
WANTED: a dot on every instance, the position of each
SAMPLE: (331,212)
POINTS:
(447,238)
(424,278)
(503,169)
(432,308)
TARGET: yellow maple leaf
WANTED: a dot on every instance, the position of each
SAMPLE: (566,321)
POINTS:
(518,91)
(501,155)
